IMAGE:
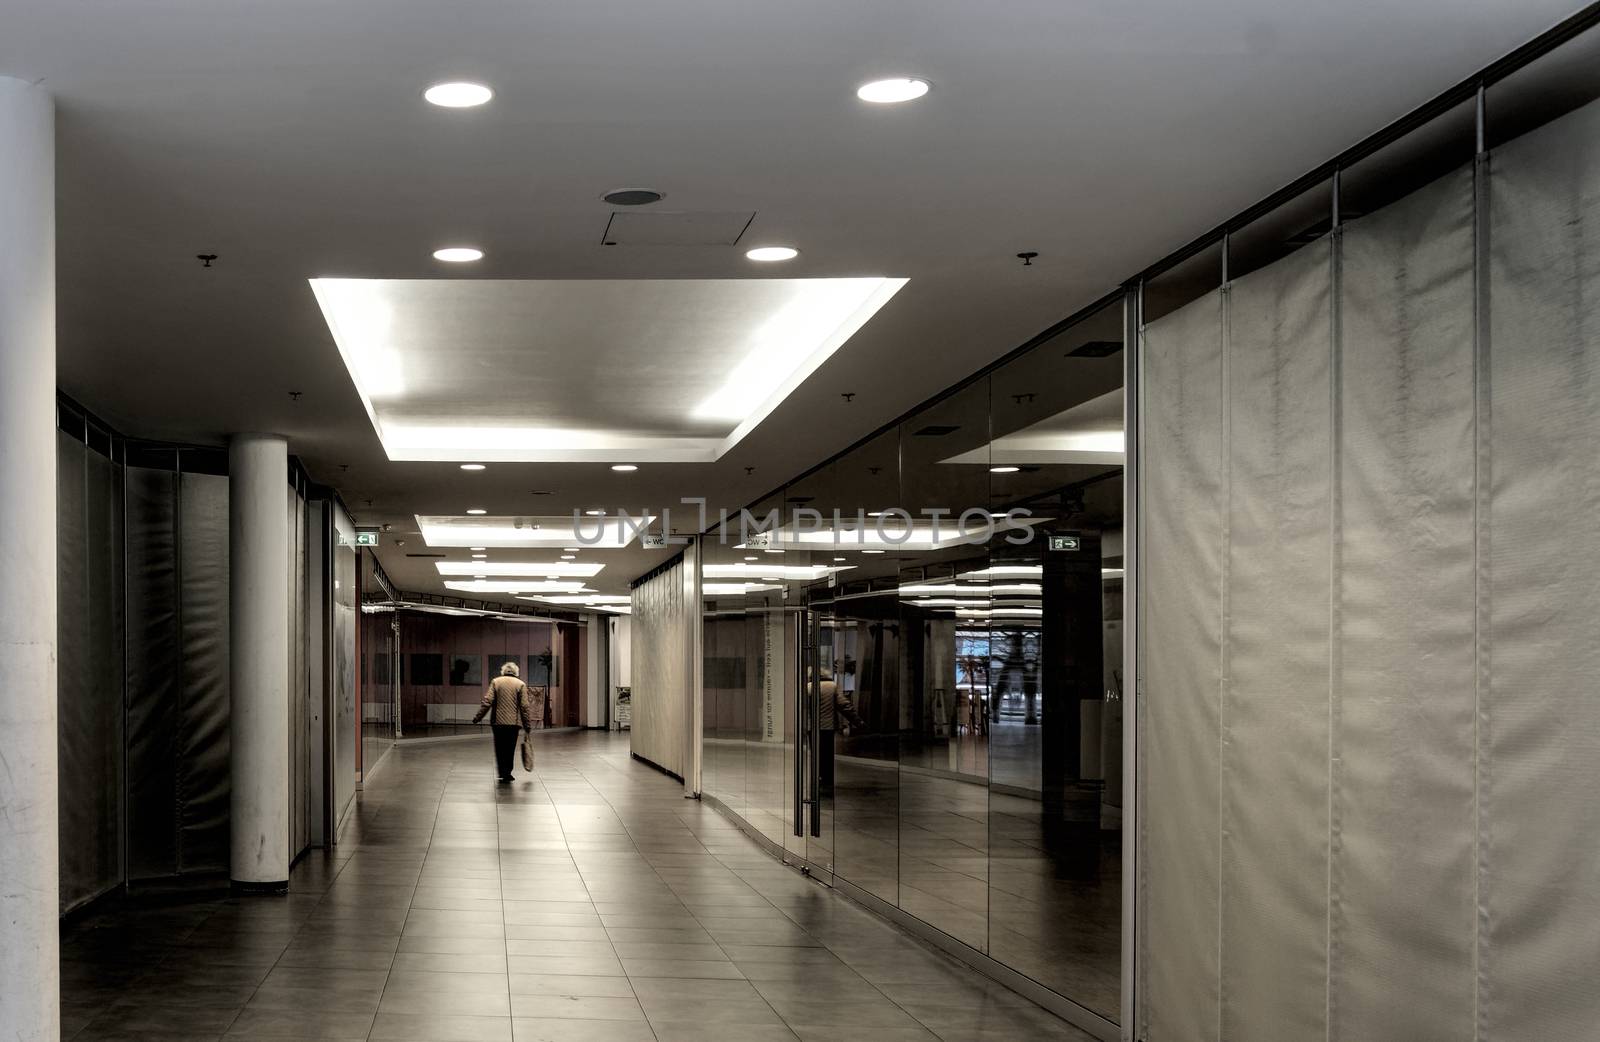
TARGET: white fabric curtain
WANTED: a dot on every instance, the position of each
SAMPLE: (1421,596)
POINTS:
(1370,738)
(660,687)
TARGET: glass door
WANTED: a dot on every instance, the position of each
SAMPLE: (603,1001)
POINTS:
(813,724)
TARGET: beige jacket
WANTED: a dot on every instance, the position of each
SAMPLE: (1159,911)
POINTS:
(512,702)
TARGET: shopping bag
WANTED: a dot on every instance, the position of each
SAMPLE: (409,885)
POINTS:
(527,754)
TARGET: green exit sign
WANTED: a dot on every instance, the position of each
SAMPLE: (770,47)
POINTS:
(366,538)
(1066,542)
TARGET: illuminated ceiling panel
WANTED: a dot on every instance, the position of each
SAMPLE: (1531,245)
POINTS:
(598,370)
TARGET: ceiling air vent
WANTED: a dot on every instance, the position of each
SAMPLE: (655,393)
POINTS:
(680,228)
(936,430)
(1096,349)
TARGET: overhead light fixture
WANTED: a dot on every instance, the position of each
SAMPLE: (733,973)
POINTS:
(518,569)
(772,551)
(838,558)
(458,95)
(480,557)
(623,468)
(509,531)
(892,91)
(872,551)
(477,511)
(476,548)
(472,466)
(458,254)
(772,253)
(516,586)
(752,558)
(569,557)
(1004,470)
(594,513)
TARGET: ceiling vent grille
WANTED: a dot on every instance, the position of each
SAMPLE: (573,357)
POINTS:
(680,228)
(1096,349)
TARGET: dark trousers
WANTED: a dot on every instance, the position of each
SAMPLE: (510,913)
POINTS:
(505,747)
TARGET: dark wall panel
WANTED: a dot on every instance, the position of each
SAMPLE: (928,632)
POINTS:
(89,702)
(154,672)
(203,773)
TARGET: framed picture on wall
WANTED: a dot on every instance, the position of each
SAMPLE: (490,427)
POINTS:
(466,670)
(496,661)
(425,670)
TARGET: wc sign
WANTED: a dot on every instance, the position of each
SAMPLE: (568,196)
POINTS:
(1066,542)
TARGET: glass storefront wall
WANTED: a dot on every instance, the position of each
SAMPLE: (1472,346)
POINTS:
(927,710)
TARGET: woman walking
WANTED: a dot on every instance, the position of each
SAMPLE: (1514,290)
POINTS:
(510,702)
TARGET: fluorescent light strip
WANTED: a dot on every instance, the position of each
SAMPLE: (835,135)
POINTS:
(759,571)
(457,531)
(493,586)
(560,569)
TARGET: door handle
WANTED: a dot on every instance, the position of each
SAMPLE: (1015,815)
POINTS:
(799,729)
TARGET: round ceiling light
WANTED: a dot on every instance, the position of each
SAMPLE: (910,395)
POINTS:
(623,468)
(476,511)
(472,466)
(595,513)
(458,254)
(1004,470)
(632,197)
(458,95)
(892,91)
(772,253)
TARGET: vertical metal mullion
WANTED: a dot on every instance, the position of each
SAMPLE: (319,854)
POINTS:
(1133,437)
(1481,480)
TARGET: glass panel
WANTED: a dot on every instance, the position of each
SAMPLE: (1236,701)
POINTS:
(944,806)
(769,717)
(1055,658)
(859,628)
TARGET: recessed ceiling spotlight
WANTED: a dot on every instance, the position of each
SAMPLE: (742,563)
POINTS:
(475,549)
(838,558)
(752,558)
(569,549)
(458,95)
(477,511)
(623,468)
(472,466)
(568,557)
(772,253)
(479,557)
(774,551)
(892,91)
(595,513)
(872,551)
(458,254)
(632,197)
(1004,470)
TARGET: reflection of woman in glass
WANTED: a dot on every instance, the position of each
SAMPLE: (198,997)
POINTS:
(511,702)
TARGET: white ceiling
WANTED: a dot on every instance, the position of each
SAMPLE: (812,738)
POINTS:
(290,139)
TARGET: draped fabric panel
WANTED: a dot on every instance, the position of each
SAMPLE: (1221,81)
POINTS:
(1182,727)
(1541,714)
(660,688)
(176,683)
(89,696)
(1403,868)
(1274,749)
(1370,730)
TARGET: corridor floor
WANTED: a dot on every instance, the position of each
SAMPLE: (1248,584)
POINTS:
(589,903)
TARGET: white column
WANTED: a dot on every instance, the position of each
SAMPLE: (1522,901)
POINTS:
(258,533)
(30,977)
